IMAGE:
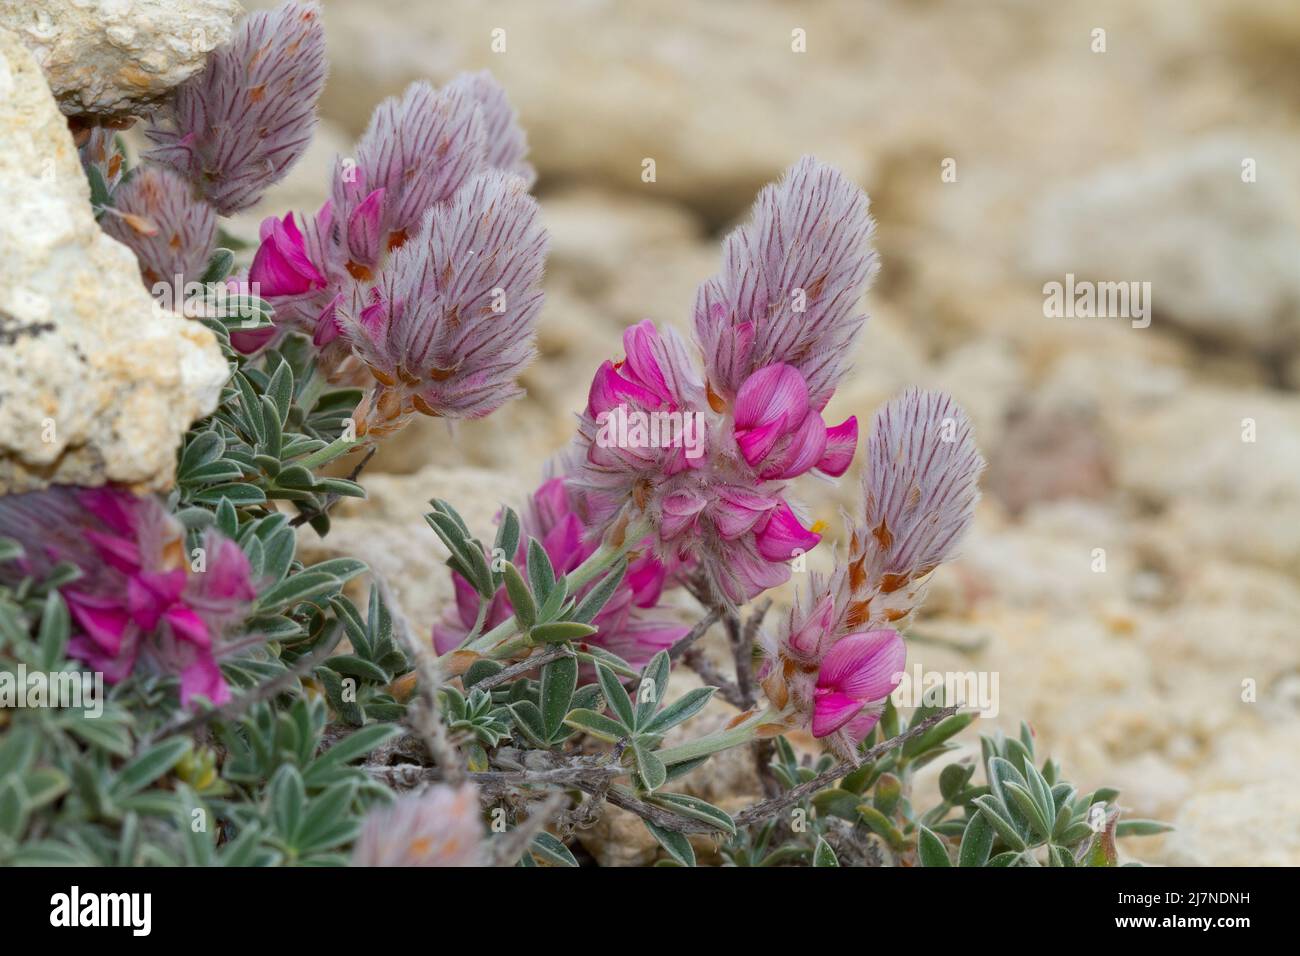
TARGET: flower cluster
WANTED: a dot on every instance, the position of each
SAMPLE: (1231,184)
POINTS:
(773,327)
(140,602)
(627,625)
(840,654)
(424,265)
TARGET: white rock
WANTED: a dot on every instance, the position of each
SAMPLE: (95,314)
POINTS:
(97,382)
(1220,253)
(117,57)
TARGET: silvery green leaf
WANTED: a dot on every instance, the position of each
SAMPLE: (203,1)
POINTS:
(298,588)
(559,680)
(597,725)
(677,845)
(615,696)
(823,855)
(999,820)
(976,842)
(540,573)
(599,595)
(931,849)
(520,597)
(650,768)
(558,632)
(551,850)
(680,710)
(150,765)
(696,809)
(652,687)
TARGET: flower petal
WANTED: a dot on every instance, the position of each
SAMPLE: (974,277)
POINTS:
(832,711)
(866,666)
(783,536)
(841,443)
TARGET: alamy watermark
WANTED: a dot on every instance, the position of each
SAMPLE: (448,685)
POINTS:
(621,427)
(977,690)
(72,690)
(74,908)
(1083,299)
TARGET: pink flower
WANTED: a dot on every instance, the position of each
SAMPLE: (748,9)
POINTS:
(723,506)
(791,284)
(440,826)
(280,265)
(861,670)
(625,626)
(237,127)
(838,654)
(773,327)
(779,432)
(139,603)
(451,322)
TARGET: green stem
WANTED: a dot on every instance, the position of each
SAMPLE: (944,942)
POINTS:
(323,456)
(742,733)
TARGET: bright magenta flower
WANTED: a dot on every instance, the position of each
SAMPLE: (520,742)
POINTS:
(281,266)
(712,487)
(839,654)
(773,329)
(779,432)
(857,675)
(141,602)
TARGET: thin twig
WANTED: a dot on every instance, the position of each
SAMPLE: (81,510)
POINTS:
(510,846)
(333,497)
(697,661)
(699,630)
(766,809)
(425,719)
(755,620)
(552,653)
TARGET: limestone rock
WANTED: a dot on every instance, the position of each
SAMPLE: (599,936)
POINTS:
(118,57)
(1219,252)
(97,382)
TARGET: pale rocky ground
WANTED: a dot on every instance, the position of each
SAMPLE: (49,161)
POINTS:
(1115,166)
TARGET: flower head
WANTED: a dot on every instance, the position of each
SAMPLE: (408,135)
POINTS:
(172,234)
(451,322)
(441,826)
(773,328)
(237,127)
(839,654)
(920,486)
(140,602)
(791,284)
(425,262)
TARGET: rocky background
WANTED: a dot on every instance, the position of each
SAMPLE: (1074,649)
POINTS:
(1171,670)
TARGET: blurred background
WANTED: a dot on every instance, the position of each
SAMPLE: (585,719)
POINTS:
(1134,573)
